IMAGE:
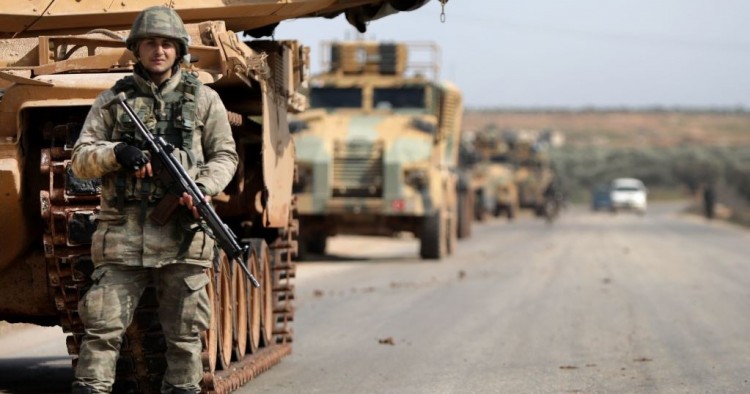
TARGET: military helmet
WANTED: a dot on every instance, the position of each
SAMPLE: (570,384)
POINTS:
(158,21)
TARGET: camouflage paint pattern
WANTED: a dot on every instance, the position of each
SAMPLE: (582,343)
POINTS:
(120,240)
(402,146)
(130,253)
(497,185)
(376,152)
(158,21)
(107,310)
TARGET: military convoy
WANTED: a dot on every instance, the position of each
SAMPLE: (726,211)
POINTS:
(493,178)
(538,188)
(55,57)
(509,172)
(378,149)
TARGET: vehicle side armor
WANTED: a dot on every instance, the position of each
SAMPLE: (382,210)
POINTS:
(56,56)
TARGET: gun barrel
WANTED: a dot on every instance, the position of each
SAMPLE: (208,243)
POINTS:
(218,230)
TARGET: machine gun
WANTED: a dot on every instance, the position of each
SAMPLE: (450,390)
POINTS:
(162,152)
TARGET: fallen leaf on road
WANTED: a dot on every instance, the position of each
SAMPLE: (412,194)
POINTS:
(387,341)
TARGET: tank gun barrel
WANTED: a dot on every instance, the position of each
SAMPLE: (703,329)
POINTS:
(21,19)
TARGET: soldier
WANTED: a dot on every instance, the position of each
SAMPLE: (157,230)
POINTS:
(708,200)
(130,249)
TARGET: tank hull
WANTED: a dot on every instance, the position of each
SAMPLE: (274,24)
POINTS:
(55,58)
(45,264)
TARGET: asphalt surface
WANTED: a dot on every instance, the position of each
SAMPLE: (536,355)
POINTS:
(594,303)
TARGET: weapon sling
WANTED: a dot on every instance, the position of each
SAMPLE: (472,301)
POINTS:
(162,151)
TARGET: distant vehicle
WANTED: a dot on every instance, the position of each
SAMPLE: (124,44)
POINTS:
(628,194)
(377,154)
(492,177)
(601,198)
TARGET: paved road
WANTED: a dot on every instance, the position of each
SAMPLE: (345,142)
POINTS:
(33,360)
(595,303)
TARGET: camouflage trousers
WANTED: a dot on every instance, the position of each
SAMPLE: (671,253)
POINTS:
(107,310)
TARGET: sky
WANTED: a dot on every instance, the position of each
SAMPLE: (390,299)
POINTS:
(572,53)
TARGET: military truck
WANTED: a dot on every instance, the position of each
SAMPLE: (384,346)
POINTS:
(55,58)
(538,186)
(493,177)
(377,151)
(465,188)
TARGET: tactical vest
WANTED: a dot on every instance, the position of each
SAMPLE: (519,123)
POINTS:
(171,117)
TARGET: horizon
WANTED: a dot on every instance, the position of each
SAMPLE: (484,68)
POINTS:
(580,53)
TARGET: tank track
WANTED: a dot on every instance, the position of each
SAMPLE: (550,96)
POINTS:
(68,206)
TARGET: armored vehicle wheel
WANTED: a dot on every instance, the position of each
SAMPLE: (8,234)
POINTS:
(239,312)
(480,210)
(464,213)
(211,350)
(433,240)
(510,212)
(498,210)
(551,210)
(224,311)
(451,235)
(254,302)
(266,294)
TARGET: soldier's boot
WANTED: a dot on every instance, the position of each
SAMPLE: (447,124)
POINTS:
(81,389)
(184,391)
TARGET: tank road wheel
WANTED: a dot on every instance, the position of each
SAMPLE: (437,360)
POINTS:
(464,212)
(239,311)
(211,350)
(433,238)
(266,291)
(224,311)
(253,305)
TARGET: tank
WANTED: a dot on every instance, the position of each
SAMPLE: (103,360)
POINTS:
(55,58)
(378,149)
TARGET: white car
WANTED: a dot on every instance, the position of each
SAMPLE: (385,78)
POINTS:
(628,194)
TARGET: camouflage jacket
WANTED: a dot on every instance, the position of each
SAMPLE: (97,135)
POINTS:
(122,237)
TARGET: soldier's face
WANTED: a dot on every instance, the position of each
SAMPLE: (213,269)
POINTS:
(157,55)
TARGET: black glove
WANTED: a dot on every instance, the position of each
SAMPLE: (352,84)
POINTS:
(129,156)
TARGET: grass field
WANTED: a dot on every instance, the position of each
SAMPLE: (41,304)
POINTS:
(674,152)
(625,128)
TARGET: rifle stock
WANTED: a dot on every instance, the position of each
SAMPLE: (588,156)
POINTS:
(162,151)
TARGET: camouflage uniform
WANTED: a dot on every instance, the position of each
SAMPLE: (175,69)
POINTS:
(131,253)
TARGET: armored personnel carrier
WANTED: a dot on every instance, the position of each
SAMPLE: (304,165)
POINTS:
(377,151)
(55,57)
(492,177)
(538,189)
